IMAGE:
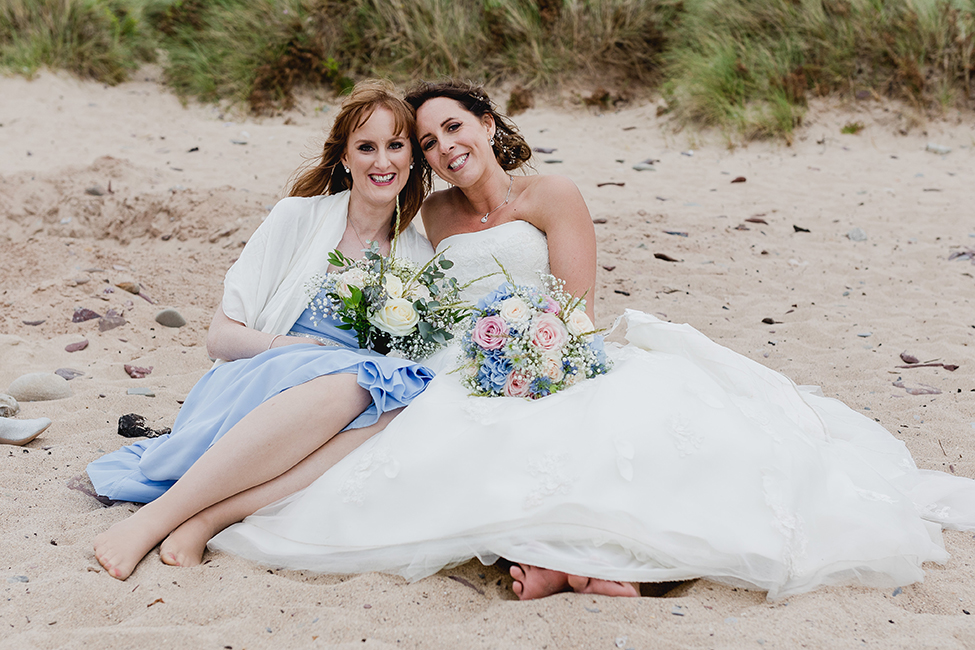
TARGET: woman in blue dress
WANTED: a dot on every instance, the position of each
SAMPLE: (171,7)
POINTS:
(253,428)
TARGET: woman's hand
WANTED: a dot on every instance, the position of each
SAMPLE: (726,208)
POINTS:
(230,340)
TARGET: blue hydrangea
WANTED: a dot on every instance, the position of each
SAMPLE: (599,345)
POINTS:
(493,372)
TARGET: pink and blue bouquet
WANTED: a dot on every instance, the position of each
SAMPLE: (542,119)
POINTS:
(528,341)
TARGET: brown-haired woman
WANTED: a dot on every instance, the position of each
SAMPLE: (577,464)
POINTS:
(255,429)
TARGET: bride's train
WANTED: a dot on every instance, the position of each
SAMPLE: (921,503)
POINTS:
(686,460)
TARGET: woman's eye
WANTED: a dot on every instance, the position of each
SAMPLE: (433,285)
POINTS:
(365,147)
(453,127)
(396,145)
(428,144)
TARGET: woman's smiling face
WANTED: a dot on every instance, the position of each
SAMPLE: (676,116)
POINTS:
(378,158)
(454,140)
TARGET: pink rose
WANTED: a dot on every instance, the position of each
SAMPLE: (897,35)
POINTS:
(548,333)
(517,385)
(551,306)
(489,332)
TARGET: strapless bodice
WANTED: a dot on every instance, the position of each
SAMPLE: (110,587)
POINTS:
(518,245)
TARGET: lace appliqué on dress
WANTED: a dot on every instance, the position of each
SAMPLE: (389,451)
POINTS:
(552,477)
(353,488)
(686,440)
(788,523)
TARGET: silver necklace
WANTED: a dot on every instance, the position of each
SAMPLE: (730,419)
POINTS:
(356,231)
(507,196)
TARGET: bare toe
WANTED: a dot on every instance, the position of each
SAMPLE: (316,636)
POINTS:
(185,545)
(535,582)
(583,585)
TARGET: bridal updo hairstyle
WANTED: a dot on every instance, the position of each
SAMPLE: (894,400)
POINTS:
(327,175)
(510,148)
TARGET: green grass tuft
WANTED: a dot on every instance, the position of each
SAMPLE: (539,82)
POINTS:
(98,39)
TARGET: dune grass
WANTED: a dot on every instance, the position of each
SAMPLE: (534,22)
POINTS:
(745,66)
(98,39)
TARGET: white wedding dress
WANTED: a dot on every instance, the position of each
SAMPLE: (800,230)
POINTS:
(686,460)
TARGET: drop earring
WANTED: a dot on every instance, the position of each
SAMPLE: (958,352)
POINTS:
(491,141)
(346,169)
(411,165)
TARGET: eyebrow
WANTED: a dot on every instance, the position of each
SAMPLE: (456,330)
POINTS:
(430,135)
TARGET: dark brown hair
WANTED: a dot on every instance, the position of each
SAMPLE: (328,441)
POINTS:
(510,147)
(327,175)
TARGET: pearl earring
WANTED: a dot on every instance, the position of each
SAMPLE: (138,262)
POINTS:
(411,165)
(346,169)
(491,141)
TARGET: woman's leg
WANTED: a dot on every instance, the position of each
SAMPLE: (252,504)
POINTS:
(270,440)
(186,544)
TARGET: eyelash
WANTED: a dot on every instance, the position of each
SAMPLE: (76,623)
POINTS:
(367,148)
(450,129)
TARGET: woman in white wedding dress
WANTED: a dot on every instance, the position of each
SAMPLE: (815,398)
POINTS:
(686,460)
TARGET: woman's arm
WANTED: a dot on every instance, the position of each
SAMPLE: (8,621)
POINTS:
(558,209)
(230,340)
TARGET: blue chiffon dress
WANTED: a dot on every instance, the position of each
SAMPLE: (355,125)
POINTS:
(142,471)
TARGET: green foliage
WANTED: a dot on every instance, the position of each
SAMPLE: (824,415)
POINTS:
(852,128)
(745,66)
(99,39)
(749,65)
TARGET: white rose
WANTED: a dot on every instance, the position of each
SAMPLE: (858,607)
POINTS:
(396,318)
(579,323)
(342,287)
(354,277)
(393,286)
(552,367)
(514,310)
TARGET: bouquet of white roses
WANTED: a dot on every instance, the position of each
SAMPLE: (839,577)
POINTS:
(526,341)
(392,304)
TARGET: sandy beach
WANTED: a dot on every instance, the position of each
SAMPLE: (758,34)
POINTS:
(829,260)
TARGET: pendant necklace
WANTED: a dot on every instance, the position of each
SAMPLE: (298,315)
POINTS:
(503,203)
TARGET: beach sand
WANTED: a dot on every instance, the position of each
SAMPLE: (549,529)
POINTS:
(185,197)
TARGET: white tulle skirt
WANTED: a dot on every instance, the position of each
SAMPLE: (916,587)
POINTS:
(686,460)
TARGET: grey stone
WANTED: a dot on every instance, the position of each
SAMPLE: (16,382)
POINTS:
(39,387)
(145,392)
(8,406)
(169,317)
(938,148)
(857,234)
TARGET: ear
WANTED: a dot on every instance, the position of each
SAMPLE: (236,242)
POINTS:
(488,121)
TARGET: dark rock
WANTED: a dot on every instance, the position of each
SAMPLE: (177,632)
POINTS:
(133,425)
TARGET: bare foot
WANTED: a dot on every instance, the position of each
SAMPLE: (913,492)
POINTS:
(584,585)
(536,582)
(120,548)
(186,544)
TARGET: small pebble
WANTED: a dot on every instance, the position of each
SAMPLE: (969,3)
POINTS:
(131,287)
(82,314)
(75,347)
(938,148)
(39,387)
(137,372)
(864,335)
(68,373)
(677,610)
(897,592)
(857,234)
(592,610)
(145,392)
(34,323)
(169,317)
(18,579)
(110,321)
(644,167)
(95,190)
